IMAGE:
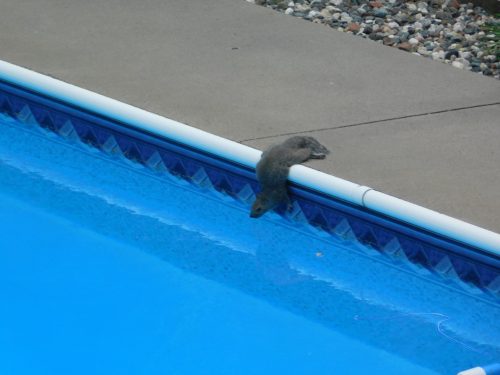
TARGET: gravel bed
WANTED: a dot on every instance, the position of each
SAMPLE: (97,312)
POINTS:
(465,36)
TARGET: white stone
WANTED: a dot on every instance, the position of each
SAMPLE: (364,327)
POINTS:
(423,51)
(291,4)
(289,11)
(418,26)
(436,56)
(345,17)
(386,29)
(336,16)
(470,38)
(479,54)
(301,8)
(418,16)
(336,2)
(313,14)
(464,54)
(393,25)
(413,41)
(457,64)
(458,27)
(326,14)
(411,6)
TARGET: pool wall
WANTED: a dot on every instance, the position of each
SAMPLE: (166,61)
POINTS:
(400,230)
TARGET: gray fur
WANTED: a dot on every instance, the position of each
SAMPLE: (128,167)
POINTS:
(273,168)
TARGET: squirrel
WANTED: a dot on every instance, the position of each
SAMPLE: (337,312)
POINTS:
(273,168)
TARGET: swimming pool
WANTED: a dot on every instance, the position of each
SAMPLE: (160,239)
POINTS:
(112,266)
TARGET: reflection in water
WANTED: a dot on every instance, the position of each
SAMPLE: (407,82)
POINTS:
(338,284)
(440,325)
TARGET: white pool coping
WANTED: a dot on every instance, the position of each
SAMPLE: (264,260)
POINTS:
(491,369)
(336,187)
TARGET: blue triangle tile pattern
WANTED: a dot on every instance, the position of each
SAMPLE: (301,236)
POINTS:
(5,106)
(400,245)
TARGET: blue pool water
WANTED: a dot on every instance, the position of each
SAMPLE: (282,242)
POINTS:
(107,267)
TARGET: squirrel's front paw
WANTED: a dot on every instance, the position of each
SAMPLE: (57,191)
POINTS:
(318,156)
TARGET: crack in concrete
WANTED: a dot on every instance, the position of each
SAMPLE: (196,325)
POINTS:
(371,122)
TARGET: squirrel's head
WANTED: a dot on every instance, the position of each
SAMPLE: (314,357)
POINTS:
(261,205)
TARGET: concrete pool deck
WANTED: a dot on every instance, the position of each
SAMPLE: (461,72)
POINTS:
(411,127)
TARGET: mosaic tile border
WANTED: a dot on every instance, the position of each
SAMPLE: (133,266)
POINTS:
(411,247)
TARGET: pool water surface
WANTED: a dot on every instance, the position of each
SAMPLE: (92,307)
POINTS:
(111,268)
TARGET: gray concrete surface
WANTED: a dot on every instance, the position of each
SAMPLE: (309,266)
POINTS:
(447,162)
(250,74)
